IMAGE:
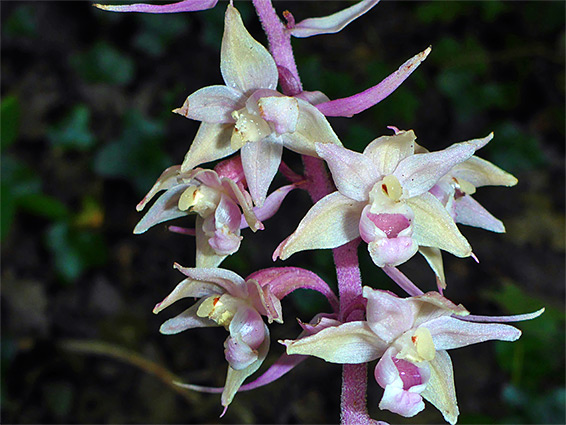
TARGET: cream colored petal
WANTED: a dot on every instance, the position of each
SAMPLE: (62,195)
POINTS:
(349,343)
(480,172)
(387,151)
(433,257)
(435,228)
(312,127)
(440,391)
(213,104)
(212,142)
(330,223)
(245,64)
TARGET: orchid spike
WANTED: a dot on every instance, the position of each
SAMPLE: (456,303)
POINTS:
(181,6)
(383,197)
(350,106)
(227,300)
(247,114)
(328,24)
(219,203)
(411,336)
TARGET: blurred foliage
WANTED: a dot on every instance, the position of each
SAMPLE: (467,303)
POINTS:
(73,132)
(103,63)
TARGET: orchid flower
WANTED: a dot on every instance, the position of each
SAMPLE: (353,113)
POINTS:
(411,335)
(247,114)
(227,300)
(215,199)
(383,197)
(181,6)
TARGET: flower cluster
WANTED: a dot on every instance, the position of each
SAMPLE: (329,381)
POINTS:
(396,196)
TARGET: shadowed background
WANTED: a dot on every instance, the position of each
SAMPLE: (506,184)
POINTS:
(87,128)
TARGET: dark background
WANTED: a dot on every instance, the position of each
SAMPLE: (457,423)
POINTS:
(87,128)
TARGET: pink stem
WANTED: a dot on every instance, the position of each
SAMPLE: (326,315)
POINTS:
(278,37)
(354,377)
(403,281)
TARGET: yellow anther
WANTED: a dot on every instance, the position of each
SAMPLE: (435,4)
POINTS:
(213,308)
(391,187)
(248,128)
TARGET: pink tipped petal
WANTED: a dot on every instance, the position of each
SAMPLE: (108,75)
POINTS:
(227,215)
(188,288)
(235,378)
(440,391)
(245,202)
(164,209)
(353,173)
(284,280)
(212,142)
(228,280)
(271,205)
(181,6)
(188,319)
(502,319)
(225,243)
(480,172)
(449,333)
(332,23)
(357,103)
(470,212)
(435,228)
(392,252)
(331,222)
(349,343)
(313,97)
(418,173)
(386,152)
(388,316)
(404,403)
(380,226)
(261,161)
(281,112)
(245,64)
(312,127)
(264,301)
(213,104)
(248,325)
(166,180)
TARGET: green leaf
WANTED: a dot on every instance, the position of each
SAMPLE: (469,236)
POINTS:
(104,64)
(74,250)
(10,117)
(43,205)
(73,132)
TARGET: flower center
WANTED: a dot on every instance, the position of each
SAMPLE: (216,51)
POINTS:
(391,187)
(219,309)
(408,372)
(418,347)
(199,199)
(249,127)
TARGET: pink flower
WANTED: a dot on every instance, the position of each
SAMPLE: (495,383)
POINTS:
(383,197)
(181,6)
(227,300)
(412,336)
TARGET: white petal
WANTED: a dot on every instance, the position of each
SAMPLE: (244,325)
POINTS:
(188,319)
(164,209)
(245,64)
(480,172)
(470,212)
(387,151)
(330,223)
(213,104)
(261,161)
(433,257)
(353,173)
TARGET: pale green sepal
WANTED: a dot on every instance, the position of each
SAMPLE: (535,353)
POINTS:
(212,142)
(244,63)
(330,223)
(435,228)
(440,391)
(349,343)
(480,172)
(312,127)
